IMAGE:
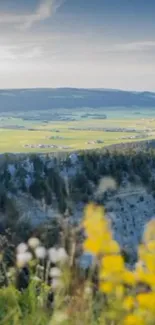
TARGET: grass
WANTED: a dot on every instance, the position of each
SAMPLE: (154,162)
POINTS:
(14,140)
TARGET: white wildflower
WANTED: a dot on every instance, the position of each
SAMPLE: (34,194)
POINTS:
(33,242)
(23,258)
(40,252)
(57,255)
(21,248)
(52,254)
(55,272)
(40,267)
(36,279)
(56,283)
(88,290)
(62,255)
(11,272)
(59,317)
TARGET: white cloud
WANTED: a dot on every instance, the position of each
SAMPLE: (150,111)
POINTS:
(132,47)
(45,10)
(6,53)
(14,53)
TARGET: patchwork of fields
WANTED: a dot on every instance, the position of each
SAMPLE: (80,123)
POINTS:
(23,135)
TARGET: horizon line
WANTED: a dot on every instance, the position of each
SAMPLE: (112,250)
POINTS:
(78,88)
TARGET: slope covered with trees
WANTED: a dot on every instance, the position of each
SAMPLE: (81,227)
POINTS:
(35,188)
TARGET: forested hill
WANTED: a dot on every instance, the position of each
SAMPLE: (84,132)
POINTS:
(28,99)
(39,188)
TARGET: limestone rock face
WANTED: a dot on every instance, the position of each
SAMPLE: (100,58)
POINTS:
(38,184)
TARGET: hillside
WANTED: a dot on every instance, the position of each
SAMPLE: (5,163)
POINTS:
(36,188)
(43,99)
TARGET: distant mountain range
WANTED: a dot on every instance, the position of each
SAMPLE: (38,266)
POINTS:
(40,99)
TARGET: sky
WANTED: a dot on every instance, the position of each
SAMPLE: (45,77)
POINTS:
(77,43)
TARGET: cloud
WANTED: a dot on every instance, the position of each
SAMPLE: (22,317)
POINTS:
(132,47)
(44,11)
(6,53)
(14,53)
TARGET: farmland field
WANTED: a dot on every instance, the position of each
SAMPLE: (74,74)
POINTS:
(42,133)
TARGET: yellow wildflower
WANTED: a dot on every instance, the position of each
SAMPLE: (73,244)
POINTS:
(106,287)
(97,230)
(146,300)
(93,218)
(150,262)
(141,276)
(128,303)
(111,248)
(113,263)
(113,277)
(119,291)
(134,320)
(151,246)
(128,278)
(150,280)
(93,245)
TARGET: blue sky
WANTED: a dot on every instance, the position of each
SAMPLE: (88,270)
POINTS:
(77,43)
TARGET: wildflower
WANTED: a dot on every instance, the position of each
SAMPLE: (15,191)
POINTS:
(93,220)
(97,230)
(151,246)
(111,248)
(128,278)
(112,263)
(119,291)
(141,276)
(149,260)
(40,252)
(21,248)
(128,303)
(57,255)
(33,242)
(106,287)
(11,273)
(134,320)
(150,280)
(36,279)
(88,290)
(52,254)
(62,255)
(59,317)
(146,300)
(93,245)
(23,258)
(56,283)
(55,272)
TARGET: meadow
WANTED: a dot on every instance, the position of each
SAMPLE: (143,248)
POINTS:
(18,134)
